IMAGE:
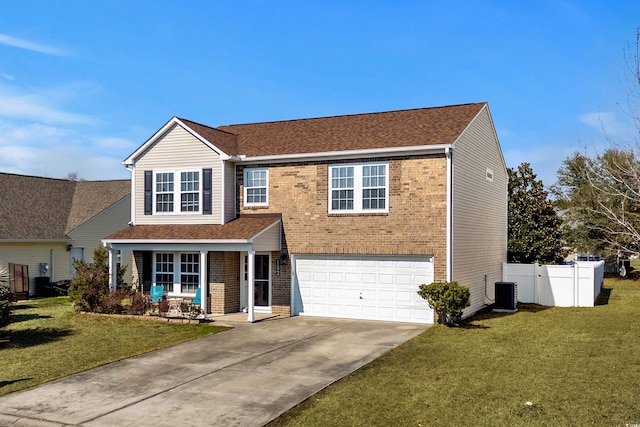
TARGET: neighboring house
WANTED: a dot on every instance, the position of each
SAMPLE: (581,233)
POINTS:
(45,222)
(337,216)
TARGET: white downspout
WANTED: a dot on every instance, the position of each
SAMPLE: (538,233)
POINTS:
(52,264)
(204,273)
(251,256)
(449,243)
(112,270)
(132,219)
(292,308)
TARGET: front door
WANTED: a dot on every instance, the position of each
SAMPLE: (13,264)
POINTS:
(262,280)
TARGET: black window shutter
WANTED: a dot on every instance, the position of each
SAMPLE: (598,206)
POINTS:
(148,192)
(206,192)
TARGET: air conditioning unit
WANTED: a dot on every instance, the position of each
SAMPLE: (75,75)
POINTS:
(506,297)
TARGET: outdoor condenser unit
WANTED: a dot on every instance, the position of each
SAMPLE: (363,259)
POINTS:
(506,297)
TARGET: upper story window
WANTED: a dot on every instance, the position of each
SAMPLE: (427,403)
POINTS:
(164,192)
(178,191)
(358,188)
(256,184)
(187,192)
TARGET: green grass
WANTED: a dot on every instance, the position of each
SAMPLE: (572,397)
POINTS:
(47,340)
(577,366)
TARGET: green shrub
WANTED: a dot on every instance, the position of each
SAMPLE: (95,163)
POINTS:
(6,298)
(448,299)
(89,290)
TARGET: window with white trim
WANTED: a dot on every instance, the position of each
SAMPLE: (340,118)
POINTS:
(187,192)
(359,188)
(164,192)
(163,270)
(178,273)
(256,184)
(190,191)
(189,273)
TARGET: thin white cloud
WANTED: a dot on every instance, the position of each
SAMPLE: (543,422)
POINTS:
(44,106)
(55,150)
(610,125)
(32,46)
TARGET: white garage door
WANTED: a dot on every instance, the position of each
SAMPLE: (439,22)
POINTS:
(358,287)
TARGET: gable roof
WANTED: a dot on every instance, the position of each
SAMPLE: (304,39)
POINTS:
(36,208)
(402,129)
(393,129)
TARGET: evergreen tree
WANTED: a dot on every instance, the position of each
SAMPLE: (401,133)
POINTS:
(534,233)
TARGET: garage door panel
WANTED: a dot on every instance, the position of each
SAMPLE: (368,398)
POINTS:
(352,277)
(363,287)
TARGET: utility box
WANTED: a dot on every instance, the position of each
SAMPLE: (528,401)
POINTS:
(43,287)
(506,297)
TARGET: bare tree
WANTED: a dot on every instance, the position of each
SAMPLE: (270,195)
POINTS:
(600,196)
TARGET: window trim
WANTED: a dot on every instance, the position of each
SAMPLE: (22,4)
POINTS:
(176,286)
(177,191)
(357,188)
(245,187)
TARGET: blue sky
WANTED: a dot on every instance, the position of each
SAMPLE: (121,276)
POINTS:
(84,83)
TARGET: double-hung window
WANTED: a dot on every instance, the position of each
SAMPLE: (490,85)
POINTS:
(178,273)
(186,190)
(256,184)
(359,188)
(164,192)
(189,191)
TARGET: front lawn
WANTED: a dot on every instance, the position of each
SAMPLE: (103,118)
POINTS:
(47,340)
(540,366)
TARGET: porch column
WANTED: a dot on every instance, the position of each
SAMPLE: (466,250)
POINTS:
(251,258)
(204,274)
(113,271)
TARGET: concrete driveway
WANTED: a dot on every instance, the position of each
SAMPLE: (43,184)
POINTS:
(246,376)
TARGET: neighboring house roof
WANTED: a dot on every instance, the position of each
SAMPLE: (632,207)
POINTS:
(400,129)
(36,208)
(243,228)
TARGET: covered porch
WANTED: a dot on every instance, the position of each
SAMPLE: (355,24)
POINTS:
(235,267)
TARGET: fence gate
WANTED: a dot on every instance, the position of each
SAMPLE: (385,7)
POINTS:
(19,280)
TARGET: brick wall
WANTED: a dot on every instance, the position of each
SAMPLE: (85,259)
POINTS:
(414,225)
(224,282)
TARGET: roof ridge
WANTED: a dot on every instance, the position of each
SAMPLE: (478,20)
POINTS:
(348,115)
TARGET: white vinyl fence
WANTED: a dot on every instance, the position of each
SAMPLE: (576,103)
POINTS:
(575,285)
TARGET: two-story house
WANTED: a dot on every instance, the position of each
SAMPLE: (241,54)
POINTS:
(337,216)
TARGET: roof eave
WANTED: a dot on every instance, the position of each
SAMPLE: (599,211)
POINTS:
(348,154)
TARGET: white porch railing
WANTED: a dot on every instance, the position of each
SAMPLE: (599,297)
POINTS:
(575,285)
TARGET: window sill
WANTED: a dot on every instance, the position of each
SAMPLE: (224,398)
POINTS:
(335,214)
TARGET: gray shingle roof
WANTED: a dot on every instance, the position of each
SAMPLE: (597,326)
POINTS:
(36,208)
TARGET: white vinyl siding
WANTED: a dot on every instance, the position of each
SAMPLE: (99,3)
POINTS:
(32,254)
(179,151)
(229,192)
(89,235)
(479,212)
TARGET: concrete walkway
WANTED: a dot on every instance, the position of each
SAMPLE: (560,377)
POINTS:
(246,376)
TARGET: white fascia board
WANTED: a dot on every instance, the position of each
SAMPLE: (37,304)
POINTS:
(350,154)
(175,242)
(174,120)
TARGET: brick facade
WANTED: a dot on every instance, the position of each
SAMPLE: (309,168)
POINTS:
(414,225)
